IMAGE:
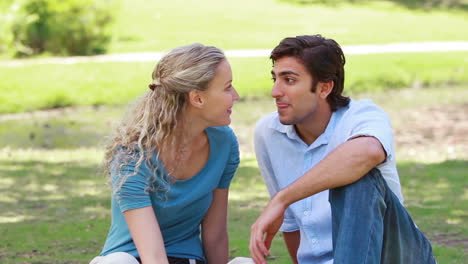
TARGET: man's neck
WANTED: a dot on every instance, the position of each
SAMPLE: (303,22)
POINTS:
(309,130)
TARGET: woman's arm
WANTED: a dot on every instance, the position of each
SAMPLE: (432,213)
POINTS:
(292,240)
(214,229)
(146,235)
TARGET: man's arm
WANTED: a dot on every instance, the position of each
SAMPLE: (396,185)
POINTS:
(346,164)
(292,240)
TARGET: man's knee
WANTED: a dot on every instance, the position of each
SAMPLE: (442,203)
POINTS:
(371,180)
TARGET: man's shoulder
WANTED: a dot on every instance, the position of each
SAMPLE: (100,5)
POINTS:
(361,109)
(363,105)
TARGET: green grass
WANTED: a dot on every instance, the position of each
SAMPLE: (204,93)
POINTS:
(435,197)
(32,87)
(54,206)
(160,25)
(60,212)
(88,127)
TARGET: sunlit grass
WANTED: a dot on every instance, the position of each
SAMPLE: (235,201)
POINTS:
(54,202)
(70,209)
(32,87)
(160,25)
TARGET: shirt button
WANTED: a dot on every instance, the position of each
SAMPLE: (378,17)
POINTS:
(306,213)
(314,241)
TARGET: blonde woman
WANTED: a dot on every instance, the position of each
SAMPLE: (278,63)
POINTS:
(171,163)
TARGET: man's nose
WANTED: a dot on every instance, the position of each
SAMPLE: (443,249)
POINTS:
(276,91)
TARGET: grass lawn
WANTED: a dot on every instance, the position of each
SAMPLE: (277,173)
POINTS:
(160,25)
(32,87)
(54,206)
(243,24)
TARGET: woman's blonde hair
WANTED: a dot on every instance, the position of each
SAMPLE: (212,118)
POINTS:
(149,127)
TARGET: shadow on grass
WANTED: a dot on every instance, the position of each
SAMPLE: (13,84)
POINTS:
(51,212)
(436,195)
(411,4)
(60,129)
(58,212)
(247,197)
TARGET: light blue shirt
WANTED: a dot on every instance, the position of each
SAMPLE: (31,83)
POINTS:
(180,206)
(283,157)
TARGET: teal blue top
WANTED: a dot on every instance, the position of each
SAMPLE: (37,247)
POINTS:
(179,206)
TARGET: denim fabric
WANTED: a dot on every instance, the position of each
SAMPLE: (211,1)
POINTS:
(370,225)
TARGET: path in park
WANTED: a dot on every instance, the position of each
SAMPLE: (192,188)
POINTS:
(154,56)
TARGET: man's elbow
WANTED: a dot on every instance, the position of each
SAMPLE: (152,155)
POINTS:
(375,151)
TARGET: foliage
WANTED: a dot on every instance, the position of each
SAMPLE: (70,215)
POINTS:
(63,27)
(7,16)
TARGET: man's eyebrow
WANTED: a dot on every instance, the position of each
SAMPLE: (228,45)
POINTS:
(285,73)
(228,82)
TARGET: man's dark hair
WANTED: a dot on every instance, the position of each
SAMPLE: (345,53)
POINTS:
(324,60)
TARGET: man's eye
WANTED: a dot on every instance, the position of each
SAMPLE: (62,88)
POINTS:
(274,79)
(289,80)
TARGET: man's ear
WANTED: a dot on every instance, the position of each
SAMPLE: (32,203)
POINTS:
(325,88)
(196,98)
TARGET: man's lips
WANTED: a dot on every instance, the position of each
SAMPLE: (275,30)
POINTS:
(281,105)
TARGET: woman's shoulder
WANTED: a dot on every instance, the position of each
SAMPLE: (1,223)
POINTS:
(221,131)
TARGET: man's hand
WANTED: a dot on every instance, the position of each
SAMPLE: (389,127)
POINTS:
(267,225)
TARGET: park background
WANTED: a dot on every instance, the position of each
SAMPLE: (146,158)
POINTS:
(56,110)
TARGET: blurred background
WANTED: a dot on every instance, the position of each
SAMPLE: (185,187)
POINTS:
(69,68)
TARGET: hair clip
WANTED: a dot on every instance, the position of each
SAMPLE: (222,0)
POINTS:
(152,86)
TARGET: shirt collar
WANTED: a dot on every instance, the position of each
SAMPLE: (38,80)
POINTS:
(290,131)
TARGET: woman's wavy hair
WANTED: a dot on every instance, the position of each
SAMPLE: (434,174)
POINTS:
(323,59)
(150,125)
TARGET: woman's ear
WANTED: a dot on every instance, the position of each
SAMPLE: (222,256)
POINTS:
(196,98)
(325,88)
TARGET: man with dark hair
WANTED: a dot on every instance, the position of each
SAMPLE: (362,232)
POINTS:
(329,165)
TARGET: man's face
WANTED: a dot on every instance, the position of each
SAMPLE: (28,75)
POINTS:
(292,87)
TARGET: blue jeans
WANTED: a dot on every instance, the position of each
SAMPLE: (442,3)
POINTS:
(370,225)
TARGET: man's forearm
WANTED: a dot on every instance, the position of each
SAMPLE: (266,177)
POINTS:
(345,165)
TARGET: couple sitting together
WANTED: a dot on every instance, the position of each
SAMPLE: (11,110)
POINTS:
(328,163)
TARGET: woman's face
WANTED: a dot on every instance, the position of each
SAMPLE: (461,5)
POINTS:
(220,96)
